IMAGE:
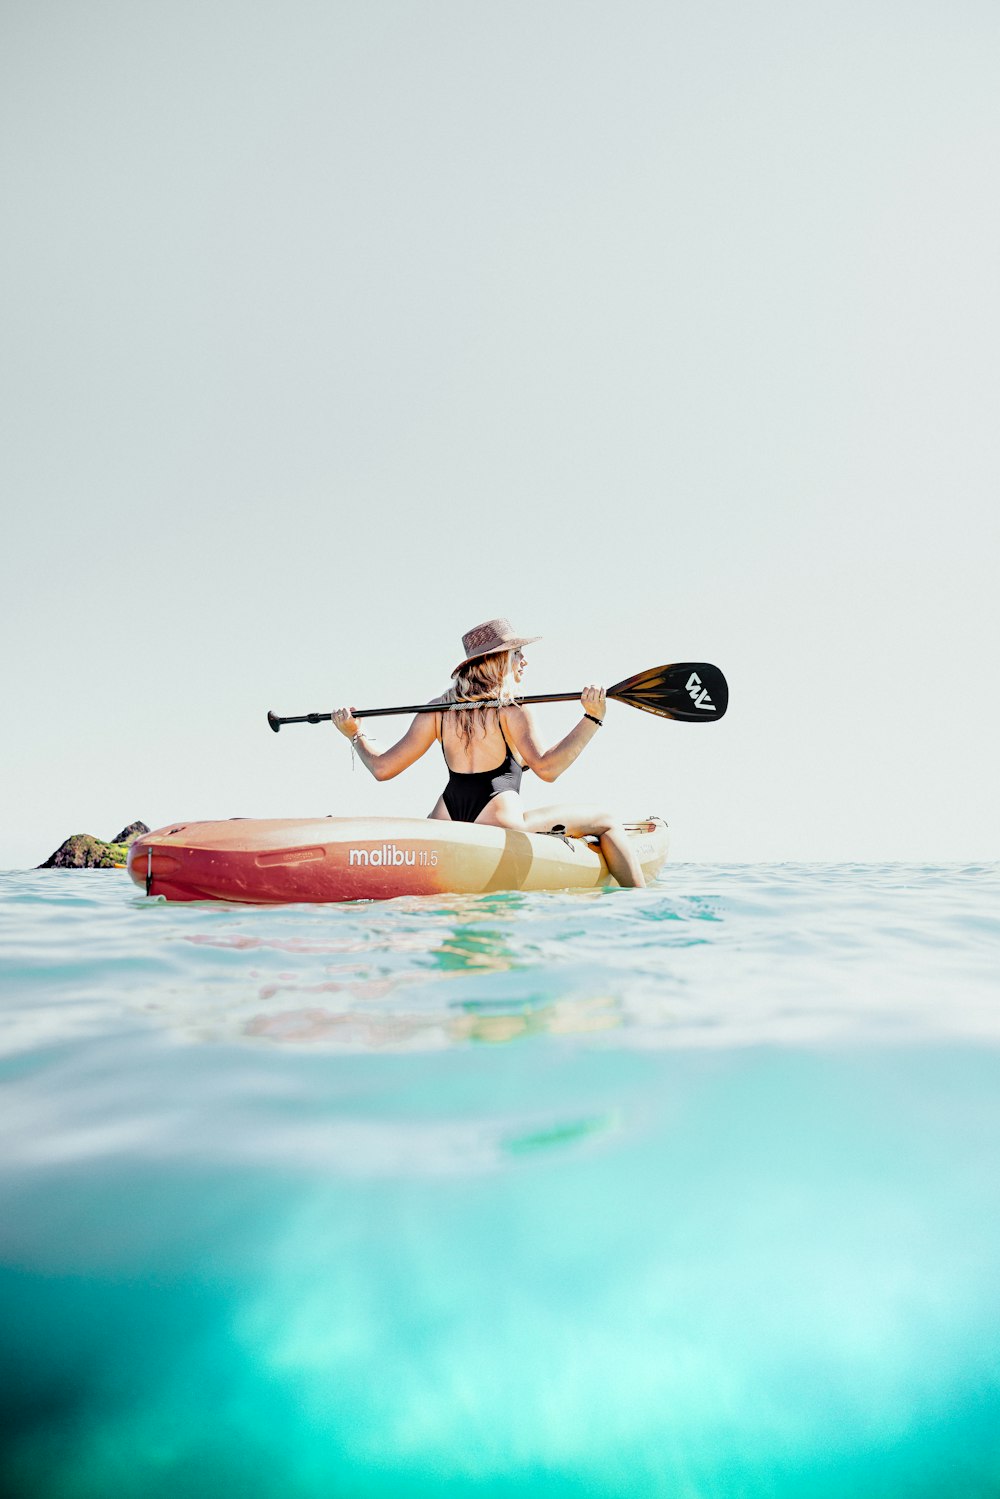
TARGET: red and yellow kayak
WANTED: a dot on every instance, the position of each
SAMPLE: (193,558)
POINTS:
(278,861)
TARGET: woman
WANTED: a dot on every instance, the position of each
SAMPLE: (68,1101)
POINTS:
(487,747)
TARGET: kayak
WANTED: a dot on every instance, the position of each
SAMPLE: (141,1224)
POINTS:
(276,861)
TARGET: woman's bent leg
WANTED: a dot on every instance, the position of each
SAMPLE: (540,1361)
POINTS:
(506,810)
(620,858)
(581,821)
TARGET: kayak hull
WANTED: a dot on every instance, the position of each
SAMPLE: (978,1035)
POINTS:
(280,861)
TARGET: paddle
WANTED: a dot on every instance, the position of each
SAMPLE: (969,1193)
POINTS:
(689,691)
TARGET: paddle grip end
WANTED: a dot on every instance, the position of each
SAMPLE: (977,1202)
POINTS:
(274,722)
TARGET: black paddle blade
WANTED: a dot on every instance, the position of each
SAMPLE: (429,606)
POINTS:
(691,691)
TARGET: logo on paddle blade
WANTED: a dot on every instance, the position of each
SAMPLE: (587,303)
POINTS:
(699,694)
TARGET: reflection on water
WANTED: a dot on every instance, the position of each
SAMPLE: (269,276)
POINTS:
(474,946)
(351,1030)
(474,939)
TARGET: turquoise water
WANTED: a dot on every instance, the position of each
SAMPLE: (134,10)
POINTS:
(691,1192)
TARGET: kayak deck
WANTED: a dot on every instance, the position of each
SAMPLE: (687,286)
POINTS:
(277,861)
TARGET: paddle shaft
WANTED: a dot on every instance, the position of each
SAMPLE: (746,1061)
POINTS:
(545,697)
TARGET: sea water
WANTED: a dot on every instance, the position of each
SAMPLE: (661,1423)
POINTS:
(691,1191)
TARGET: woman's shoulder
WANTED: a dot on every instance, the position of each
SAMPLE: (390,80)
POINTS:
(516,716)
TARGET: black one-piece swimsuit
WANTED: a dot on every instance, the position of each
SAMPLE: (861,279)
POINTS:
(467,792)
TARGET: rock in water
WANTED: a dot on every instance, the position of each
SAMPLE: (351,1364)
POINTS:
(83,851)
(131,833)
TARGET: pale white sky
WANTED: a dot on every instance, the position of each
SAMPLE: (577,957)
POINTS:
(670,331)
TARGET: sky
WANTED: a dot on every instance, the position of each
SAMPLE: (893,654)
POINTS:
(668,331)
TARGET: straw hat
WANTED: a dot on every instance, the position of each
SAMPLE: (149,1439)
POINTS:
(485,640)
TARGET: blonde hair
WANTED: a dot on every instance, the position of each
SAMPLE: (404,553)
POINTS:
(488,678)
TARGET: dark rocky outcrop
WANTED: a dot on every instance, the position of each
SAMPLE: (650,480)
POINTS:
(131,833)
(83,851)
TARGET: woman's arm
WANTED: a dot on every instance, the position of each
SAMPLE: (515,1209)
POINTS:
(549,764)
(384,764)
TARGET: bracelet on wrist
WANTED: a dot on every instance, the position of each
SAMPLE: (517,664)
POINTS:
(599,721)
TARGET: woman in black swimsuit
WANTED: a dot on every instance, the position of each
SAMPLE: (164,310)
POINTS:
(487,745)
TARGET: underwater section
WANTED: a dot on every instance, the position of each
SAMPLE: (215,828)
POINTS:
(685,1192)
